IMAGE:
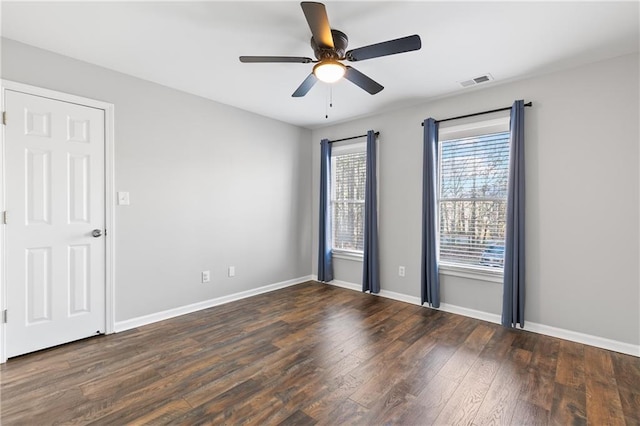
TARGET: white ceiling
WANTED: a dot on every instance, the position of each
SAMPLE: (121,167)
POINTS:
(194,46)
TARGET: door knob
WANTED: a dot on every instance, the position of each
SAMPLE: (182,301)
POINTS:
(96,233)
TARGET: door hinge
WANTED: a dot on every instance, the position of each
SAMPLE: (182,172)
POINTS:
(4,217)
(4,316)
(4,117)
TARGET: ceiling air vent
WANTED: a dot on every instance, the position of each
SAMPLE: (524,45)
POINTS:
(477,80)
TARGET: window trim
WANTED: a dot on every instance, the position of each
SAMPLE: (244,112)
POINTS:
(478,128)
(339,149)
(449,133)
(347,148)
(355,256)
(467,271)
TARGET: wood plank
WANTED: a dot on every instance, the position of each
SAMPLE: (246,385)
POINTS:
(545,355)
(499,403)
(387,408)
(332,385)
(570,367)
(538,389)
(346,413)
(221,405)
(377,386)
(429,403)
(426,368)
(474,375)
(568,406)
(463,405)
(459,364)
(529,414)
(164,414)
(298,418)
(603,400)
(627,374)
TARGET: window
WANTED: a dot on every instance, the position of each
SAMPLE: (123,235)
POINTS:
(472,198)
(348,174)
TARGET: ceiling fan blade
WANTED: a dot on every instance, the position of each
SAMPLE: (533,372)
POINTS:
(318,21)
(362,81)
(267,59)
(306,85)
(391,47)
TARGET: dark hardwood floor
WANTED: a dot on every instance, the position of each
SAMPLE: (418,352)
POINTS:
(318,354)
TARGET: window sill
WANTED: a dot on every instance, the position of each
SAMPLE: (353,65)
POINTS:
(347,255)
(470,272)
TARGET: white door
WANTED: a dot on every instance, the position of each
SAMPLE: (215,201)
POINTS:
(55,203)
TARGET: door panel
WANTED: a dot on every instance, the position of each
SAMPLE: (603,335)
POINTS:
(79,280)
(38,176)
(55,197)
(38,288)
(78,188)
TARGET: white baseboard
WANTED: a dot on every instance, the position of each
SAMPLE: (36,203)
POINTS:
(547,330)
(587,339)
(182,310)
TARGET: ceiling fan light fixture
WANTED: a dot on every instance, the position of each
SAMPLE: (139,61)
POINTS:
(329,71)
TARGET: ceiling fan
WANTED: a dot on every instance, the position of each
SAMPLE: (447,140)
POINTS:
(329,47)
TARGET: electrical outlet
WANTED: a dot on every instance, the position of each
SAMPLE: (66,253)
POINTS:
(206,276)
(123,198)
(401,271)
(232,271)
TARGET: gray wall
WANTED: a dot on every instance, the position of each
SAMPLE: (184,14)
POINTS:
(582,162)
(211,186)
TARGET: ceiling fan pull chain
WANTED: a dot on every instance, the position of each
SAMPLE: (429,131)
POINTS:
(329,103)
(326,108)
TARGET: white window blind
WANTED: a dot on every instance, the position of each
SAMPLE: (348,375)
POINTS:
(348,170)
(473,175)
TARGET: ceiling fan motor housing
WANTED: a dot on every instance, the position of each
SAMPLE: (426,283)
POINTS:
(340,42)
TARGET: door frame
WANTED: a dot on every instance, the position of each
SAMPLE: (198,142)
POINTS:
(108,109)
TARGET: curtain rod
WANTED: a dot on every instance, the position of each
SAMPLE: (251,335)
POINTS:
(528,104)
(353,137)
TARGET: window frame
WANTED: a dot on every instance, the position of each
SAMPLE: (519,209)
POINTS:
(455,132)
(339,149)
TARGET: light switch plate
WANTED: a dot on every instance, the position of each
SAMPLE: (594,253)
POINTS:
(123,198)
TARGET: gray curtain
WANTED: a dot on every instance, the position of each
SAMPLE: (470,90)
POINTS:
(371,268)
(514,258)
(430,281)
(325,262)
